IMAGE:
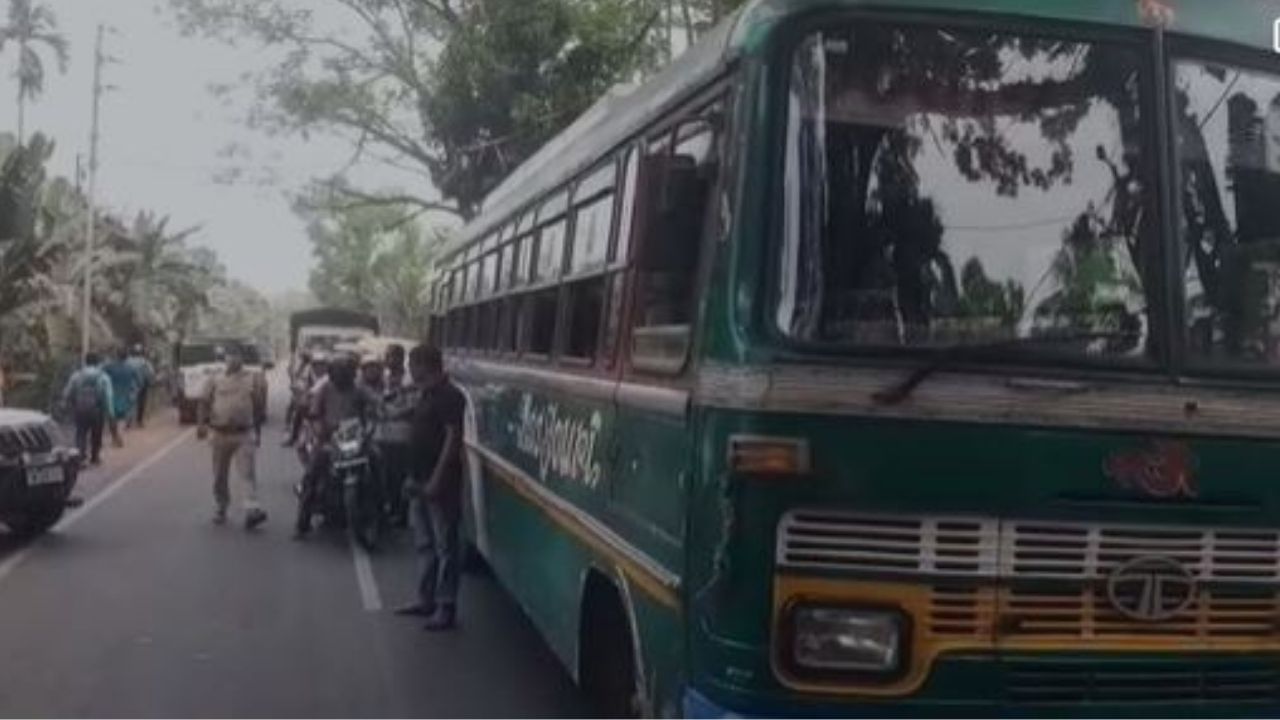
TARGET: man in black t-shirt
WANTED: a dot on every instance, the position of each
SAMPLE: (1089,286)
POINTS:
(435,488)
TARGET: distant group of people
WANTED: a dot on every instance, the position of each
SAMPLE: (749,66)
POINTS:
(108,396)
(415,413)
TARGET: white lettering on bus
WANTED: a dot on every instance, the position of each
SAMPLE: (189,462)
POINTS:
(561,444)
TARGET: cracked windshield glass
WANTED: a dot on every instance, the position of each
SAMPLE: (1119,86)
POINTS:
(639,358)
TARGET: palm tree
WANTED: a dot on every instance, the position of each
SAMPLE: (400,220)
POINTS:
(165,281)
(32,26)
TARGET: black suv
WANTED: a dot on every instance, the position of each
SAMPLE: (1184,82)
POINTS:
(38,471)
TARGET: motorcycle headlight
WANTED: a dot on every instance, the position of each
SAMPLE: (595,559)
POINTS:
(836,640)
(348,447)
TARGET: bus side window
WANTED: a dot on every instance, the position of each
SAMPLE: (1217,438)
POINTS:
(677,189)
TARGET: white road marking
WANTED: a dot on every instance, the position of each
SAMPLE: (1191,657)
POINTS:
(12,563)
(370,597)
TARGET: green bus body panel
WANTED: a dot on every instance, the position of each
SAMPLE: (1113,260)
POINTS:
(653,477)
(578,449)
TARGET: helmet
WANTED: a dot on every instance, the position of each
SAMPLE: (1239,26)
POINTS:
(342,371)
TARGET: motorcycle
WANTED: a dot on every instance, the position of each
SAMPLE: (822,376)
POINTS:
(347,493)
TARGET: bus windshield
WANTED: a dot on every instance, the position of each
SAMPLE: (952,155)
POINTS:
(952,187)
(1228,150)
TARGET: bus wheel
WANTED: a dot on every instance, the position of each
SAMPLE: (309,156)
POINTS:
(607,661)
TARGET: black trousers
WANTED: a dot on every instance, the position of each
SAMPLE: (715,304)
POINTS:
(299,416)
(317,468)
(395,471)
(143,391)
(437,536)
(89,429)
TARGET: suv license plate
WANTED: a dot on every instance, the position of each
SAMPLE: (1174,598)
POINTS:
(46,475)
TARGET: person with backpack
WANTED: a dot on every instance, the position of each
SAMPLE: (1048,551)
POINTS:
(88,398)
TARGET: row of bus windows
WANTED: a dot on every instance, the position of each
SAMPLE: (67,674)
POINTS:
(552,281)
(578,321)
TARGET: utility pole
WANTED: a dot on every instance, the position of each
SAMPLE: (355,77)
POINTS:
(100,59)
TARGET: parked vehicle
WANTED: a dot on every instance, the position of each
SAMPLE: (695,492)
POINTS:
(195,362)
(351,468)
(895,358)
(323,329)
(38,471)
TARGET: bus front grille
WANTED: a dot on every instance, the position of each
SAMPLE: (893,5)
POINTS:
(1012,549)
(1046,682)
(1084,617)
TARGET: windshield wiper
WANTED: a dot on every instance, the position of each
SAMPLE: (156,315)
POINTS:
(953,354)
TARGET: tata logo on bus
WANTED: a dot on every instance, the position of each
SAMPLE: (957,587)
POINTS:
(1151,589)
(559,442)
(1165,470)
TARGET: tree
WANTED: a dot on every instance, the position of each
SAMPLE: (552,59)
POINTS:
(236,310)
(404,273)
(31,27)
(457,92)
(372,259)
(149,286)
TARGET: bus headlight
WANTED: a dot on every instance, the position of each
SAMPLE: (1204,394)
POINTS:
(846,640)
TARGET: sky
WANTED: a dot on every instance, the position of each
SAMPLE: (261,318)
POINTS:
(165,136)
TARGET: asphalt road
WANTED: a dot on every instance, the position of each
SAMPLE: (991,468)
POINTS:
(137,605)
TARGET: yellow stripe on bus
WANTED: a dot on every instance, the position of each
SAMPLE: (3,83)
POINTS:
(662,590)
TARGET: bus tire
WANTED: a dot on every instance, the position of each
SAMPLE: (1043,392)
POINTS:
(607,660)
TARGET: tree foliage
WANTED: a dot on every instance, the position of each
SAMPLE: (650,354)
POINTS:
(458,92)
(150,286)
(32,27)
(375,259)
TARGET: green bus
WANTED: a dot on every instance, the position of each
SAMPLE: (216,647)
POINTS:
(896,358)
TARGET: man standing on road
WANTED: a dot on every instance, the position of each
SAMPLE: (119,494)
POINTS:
(234,406)
(395,433)
(145,374)
(435,488)
(306,384)
(88,399)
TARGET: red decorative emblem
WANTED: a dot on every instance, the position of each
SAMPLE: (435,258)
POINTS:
(1165,470)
